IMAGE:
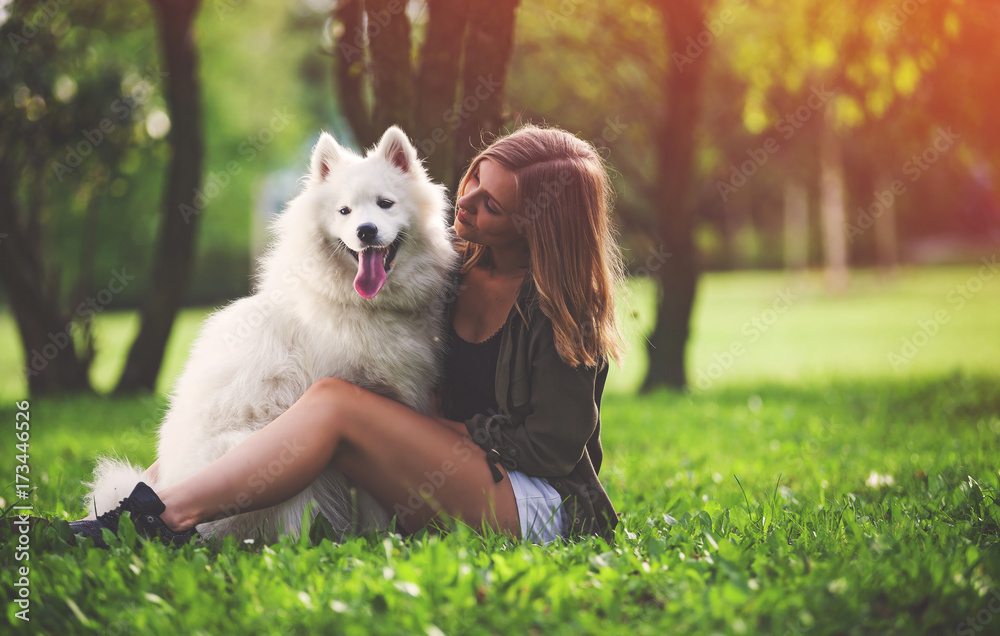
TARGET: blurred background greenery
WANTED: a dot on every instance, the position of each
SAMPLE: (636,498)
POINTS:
(798,135)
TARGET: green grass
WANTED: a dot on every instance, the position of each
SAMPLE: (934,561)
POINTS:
(772,528)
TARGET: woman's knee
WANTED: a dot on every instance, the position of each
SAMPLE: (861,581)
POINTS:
(332,396)
(331,389)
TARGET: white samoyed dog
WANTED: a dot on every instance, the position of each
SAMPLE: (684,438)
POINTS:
(352,287)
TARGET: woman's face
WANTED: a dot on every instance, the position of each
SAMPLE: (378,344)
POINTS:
(486,208)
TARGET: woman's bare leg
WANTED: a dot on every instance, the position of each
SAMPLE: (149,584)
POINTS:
(152,473)
(394,453)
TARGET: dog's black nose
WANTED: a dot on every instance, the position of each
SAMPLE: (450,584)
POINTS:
(367,232)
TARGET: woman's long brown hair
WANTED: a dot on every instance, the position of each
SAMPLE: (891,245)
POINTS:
(564,205)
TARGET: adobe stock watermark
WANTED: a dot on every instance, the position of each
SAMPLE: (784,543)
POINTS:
(565,10)
(377,20)
(139,437)
(696,45)
(22,512)
(613,129)
(124,620)
(264,477)
(464,450)
(900,15)
(423,493)
(48,10)
(533,207)
(753,329)
(914,168)
(224,7)
(249,148)
(928,328)
(267,299)
(121,110)
(420,495)
(656,258)
(38,360)
(818,440)
(453,116)
(552,189)
(977,623)
(787,126)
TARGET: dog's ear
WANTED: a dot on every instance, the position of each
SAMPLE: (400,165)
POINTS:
(396,148)
(325,155)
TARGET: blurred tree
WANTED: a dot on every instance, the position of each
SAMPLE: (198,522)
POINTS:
(684,22)
(796,231)
(180,212)
(892,75)
(65,148)
(776,78)
(437,82)
(466,50)
(489,41)
(607,72)
(265,95)
(79,64)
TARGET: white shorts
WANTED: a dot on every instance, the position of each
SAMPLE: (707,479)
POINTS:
(539,508)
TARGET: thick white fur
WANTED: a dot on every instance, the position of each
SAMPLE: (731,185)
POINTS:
(257,356)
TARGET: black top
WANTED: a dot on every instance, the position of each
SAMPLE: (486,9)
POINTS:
(470,371)
(549,420)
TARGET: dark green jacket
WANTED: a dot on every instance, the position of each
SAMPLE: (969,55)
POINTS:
(549,422)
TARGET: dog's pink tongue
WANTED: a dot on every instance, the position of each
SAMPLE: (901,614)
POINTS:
(371,272)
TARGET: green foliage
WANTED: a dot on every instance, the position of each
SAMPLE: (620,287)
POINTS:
(595,70)
(887,70)
(79,83)
(266,96)
(97,195)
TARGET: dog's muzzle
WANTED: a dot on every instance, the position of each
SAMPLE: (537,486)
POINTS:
(374,263)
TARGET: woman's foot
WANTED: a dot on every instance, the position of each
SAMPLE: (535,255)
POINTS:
(145,509)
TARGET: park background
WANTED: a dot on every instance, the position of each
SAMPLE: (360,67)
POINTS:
(803,435)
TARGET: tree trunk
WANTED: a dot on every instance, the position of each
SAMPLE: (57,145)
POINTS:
(85,277)
(51,362)
(392,76)
(437,86)
(350,71)
(175,253)
(729,227)
(471,41)
(885,232)
(832,210)
(796,225)
(489,42)
(675,145)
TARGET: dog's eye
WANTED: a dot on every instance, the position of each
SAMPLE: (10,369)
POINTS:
(345,210)
(385,204)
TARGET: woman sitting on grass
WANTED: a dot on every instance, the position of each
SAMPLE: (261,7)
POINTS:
(516,446)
